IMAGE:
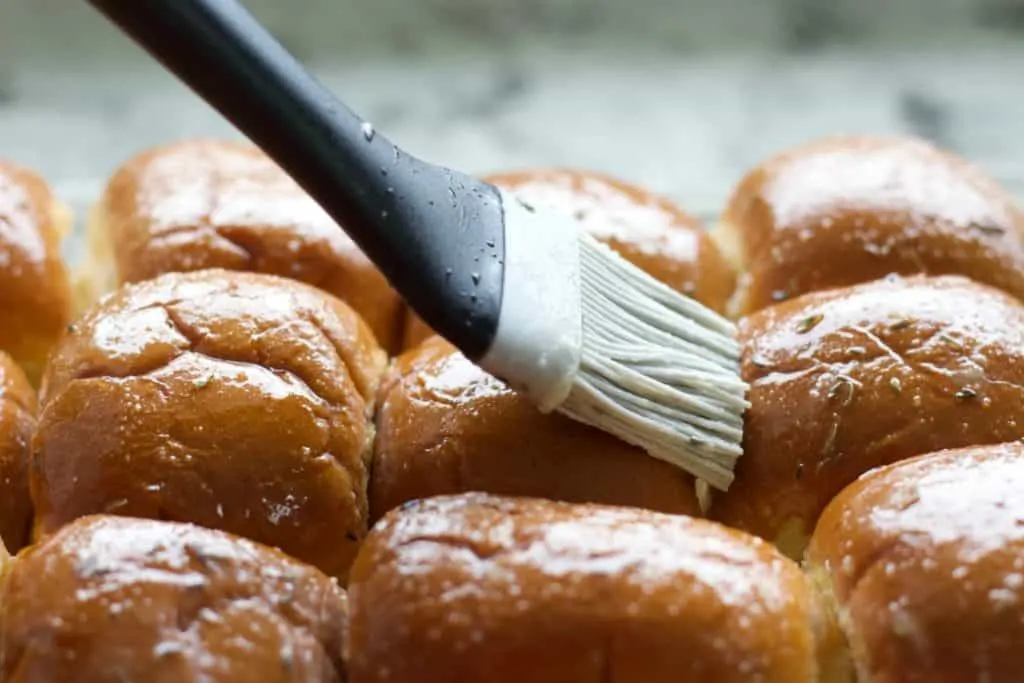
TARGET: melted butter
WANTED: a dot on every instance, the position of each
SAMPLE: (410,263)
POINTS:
(221,185)
(971,500)
(236,384)
(944,316)
(454,380)
(736,572)
(19,223)
(906,178)
(566,543)
(610,213)
(123,335)
(158,598)
(118,555)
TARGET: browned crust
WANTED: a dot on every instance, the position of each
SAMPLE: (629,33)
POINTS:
(232,400)
(839,211)
(474,587)
(119,599)
(35,294)
(199,204)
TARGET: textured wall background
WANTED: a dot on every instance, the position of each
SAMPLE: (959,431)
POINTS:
(58,29)
(680,95)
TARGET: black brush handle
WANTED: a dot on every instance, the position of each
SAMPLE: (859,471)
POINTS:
(436,234)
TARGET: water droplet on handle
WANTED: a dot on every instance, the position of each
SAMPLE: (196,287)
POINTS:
(476,278)
(368,131)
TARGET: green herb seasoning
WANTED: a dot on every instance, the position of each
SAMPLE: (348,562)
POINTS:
(966,394)
(944,336)
(989,228)
(809,323)
(843,390)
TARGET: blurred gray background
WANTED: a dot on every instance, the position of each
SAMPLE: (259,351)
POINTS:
(679,95)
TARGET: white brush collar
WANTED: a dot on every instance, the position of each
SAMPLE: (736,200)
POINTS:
(584,332)
(540,332)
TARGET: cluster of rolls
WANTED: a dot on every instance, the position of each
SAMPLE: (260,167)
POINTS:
(228,452)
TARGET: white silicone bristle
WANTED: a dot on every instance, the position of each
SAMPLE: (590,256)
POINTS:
(657,369)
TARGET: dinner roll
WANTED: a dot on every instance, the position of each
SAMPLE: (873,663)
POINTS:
(844,210)
(850,379)
(650,231)
(17,422)
(236,401)
(476,588)
(446,426)
(199,204)
(925,561)
(117,599)
(35,292)
(5,563)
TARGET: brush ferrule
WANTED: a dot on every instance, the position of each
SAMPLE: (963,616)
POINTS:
(537,348)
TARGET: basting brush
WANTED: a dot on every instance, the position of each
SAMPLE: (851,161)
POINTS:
(525,295)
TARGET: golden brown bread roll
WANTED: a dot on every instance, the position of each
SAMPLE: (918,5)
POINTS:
(845,210)
(111,599)
(650,231)
(200,204)
(237,401)
(480,588)
(925,560)
(35,292)
(850,379)
(5,561)
(17,422)
(445,426)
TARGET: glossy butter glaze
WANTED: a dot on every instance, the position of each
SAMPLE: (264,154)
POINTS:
(117,599)
(35,294)
(850,379)
(202,204)
(845,210)
(926,560)
(650,231)
(445,426)
(232,400)
(475,587)
(17,423)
